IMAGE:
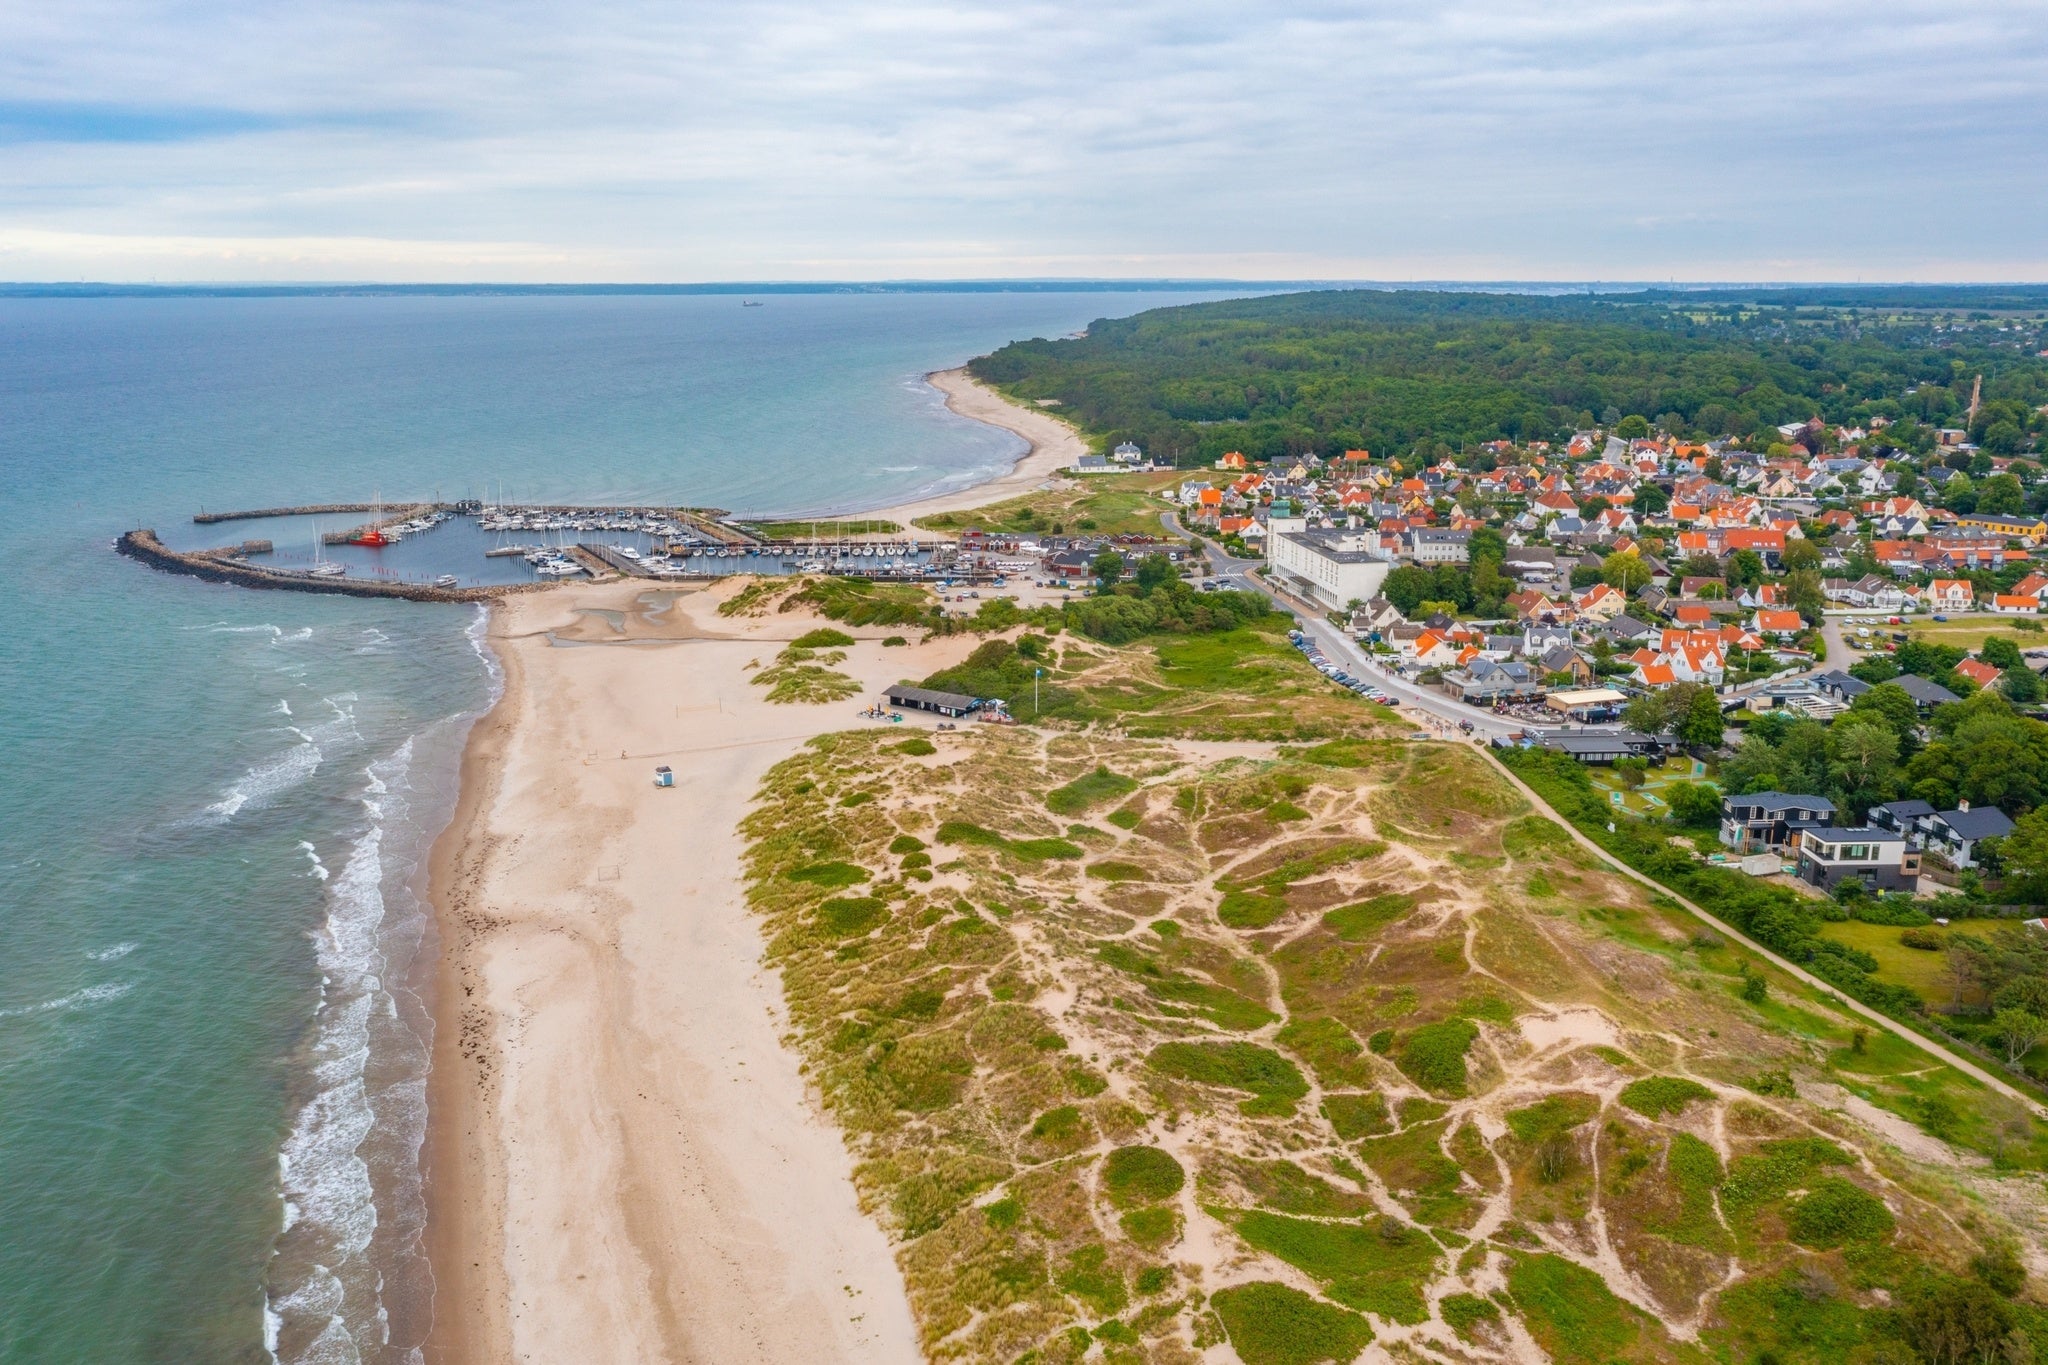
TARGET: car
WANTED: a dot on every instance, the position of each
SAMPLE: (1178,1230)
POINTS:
(1939,617)
(1388,701)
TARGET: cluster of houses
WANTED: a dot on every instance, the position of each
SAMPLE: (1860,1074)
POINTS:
(1884,853)
(1712,524)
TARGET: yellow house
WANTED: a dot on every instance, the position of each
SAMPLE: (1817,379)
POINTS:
(2033,530)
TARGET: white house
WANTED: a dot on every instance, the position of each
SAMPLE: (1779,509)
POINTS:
(1949,594)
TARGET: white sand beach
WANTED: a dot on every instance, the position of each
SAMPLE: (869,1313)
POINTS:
(624,1161)
(1054,446)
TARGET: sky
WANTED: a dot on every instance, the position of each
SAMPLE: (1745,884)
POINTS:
(686,140)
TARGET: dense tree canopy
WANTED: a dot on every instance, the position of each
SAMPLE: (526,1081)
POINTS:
(1391,371)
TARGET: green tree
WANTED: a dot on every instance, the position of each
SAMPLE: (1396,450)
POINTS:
(1650,713)
(1745,568)
(1804,592)
(1107,568)
(1625,570)
(1154,571)
(1959,494)
(2002,438)
(1700,566)
(2001,495)
(2001,653)
(1696,805)
(1863,754)
(1893,705)
(1632,427)
(2017,1031)
(2022,686)
(1800,554)
(1983,753)
(1702,724)
(1958,1322)
(2024,852)
(1651,500)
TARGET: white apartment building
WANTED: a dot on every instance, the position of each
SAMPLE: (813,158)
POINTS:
(1334,567)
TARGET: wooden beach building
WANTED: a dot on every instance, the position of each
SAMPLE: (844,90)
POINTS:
(925,699)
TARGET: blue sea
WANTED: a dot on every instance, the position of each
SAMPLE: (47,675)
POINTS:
(216,802)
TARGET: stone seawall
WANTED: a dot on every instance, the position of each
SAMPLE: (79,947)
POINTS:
(216,566)
(324,509)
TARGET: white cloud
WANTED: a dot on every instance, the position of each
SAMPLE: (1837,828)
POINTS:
(633,139)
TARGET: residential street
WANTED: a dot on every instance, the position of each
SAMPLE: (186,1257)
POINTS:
(1429,709)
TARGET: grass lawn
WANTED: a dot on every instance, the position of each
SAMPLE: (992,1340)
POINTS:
(1647,799)
(1970,632)
(1913,967)
(1107,504)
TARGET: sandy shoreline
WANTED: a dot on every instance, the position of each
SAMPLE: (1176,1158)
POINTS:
(1054,446)
(624,1162)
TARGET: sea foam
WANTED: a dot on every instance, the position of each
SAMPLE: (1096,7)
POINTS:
(354,1140)
(90,995)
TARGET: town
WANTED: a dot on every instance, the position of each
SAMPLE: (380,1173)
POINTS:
(1702,604)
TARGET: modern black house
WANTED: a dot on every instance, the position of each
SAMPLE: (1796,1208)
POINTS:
(1953,834)
(1876,857)
(1766,822)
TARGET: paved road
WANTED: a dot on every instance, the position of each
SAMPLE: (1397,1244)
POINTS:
(1430,709)
(1338,646)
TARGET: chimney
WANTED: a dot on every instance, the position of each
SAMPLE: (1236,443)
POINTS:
(1962,805)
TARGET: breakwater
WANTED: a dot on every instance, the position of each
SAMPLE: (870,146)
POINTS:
(322,509)
(223,566)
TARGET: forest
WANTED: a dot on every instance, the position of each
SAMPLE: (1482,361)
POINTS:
(1395,372)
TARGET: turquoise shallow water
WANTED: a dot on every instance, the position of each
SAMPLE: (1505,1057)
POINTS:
(213,801)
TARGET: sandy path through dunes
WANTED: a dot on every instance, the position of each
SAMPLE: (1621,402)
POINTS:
(626,1164)
(1054,446)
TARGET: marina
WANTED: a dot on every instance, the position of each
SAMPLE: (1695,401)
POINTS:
(471,551)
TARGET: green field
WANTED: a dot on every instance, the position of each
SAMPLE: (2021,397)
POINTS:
(1915,967)
(1106,504)
(1970,632)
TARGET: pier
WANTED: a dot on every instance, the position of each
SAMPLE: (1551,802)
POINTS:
(227,566)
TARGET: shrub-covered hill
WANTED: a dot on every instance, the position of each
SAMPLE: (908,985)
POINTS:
(1150,1046)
